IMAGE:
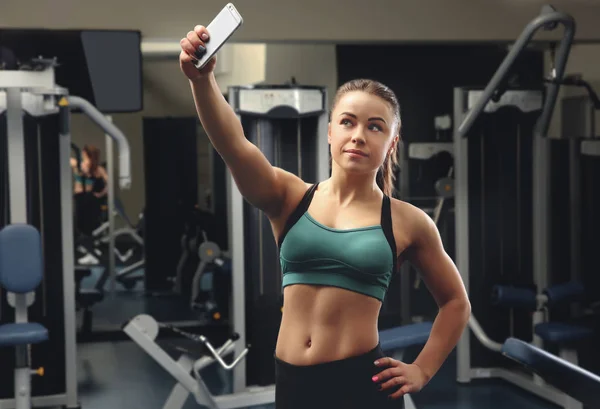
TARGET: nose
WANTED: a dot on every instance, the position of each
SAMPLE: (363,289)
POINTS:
(357,137)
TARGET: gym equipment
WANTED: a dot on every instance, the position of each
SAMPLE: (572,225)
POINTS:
(31,89)
(470,135)
(89,68)
(576,382)
(288,123)
(546,331)
(143,329)
(86,298)
(127,241)
(199,224)
(21,272)
(396,341)
(436,201)
(579,130)
(129,237)
(212,298)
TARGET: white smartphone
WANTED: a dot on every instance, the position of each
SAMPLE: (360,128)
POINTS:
(220,30)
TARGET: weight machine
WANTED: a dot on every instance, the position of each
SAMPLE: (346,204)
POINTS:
(31,92)
(289,125)
(470,129)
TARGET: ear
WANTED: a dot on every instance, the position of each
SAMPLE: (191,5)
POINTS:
(394,144)
(329,133)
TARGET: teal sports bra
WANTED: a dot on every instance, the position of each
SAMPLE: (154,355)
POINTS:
(362,260)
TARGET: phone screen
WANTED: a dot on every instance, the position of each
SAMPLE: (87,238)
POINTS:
(220,30)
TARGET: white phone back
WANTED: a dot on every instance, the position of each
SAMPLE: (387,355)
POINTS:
(220,30)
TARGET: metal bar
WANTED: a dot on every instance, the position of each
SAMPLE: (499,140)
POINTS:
(181,374)
(560,63)
(66,199)
(541,211)
(235,205)
(110,166)
(482,336)
(114,132)
(575,207)
(16,156)
(322,144)
(461,216)
(523,40)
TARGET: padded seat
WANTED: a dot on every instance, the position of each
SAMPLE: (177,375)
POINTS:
(575,381)
(405,336)
(22,334)
(561,333)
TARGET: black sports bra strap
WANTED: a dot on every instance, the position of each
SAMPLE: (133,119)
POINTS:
(298,212)
(386,225)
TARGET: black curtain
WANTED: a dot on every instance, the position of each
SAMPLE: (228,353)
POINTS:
(171,178)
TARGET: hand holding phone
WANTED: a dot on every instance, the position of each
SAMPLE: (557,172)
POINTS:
(200,46)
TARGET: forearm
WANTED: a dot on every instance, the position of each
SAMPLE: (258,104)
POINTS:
(219,120)
(445,333)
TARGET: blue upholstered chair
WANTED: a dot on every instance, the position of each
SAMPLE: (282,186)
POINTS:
(21,272)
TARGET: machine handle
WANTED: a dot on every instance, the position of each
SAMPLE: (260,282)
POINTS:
(217,354)
(548,19)
(111,130)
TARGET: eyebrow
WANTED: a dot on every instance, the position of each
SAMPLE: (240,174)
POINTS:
(375,118)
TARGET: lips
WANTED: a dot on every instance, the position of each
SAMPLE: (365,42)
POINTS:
(356,152)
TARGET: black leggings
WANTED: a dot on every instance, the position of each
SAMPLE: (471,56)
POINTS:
(88,213)
(344,384)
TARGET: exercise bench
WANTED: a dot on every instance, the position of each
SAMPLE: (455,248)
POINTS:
(579,384)
(395,341)
(21,272)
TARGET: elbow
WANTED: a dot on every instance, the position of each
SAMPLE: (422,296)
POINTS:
(465,309)
(461,309)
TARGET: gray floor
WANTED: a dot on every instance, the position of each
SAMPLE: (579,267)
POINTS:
(120,375)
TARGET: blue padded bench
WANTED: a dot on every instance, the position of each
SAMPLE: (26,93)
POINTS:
(394,341)
(21,272)
(561,333)
(573,380)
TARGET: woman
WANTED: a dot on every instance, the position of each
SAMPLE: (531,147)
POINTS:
(90,177)
(90,188)
(340,241)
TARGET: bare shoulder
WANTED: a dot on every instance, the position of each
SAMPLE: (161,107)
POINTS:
(416,225)
(294,188)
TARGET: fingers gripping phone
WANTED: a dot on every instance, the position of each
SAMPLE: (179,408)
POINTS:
(220,30)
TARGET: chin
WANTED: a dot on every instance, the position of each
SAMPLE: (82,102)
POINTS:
(355,168)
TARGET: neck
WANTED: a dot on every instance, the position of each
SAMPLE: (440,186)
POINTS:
(347,187)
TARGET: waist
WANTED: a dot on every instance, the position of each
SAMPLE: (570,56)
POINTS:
(343,365)
(321,324)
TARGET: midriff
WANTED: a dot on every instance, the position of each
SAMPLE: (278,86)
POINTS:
(324,324)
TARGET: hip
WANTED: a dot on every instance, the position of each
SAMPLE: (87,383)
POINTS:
(343,383)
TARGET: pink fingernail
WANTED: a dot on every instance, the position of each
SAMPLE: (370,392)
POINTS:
(375,379)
